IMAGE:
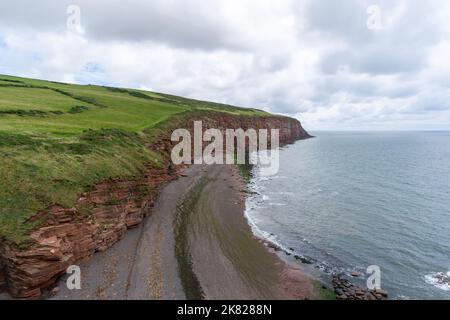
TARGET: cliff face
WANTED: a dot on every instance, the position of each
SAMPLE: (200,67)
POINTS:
(101,216)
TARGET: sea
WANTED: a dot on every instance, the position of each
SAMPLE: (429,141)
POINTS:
(350,200)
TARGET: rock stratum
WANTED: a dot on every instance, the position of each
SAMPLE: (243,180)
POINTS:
(101,216)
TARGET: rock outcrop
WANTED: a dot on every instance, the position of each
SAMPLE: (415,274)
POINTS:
(101,217)
(2,275)
(345,290)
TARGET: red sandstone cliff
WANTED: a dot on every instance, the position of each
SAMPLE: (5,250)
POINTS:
(72,235)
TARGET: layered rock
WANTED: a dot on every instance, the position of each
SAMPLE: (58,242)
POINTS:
(290,129)
(2,275)
(101,216)
(71,235)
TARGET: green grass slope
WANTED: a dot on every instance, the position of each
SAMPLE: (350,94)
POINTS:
(57,140)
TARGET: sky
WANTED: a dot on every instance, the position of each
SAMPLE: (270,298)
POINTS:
(333,64)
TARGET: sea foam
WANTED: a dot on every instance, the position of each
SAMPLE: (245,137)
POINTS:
(439,280)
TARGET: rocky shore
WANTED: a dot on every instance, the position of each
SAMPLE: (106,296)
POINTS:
(343,287)
(2,276)
(102,216)
(345,290)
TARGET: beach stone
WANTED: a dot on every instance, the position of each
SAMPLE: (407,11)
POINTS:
(339,292)
(355,274)
(303,259)
(54,291)
(382,293)
(371,297)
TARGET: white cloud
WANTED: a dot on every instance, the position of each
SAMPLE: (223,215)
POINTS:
(312,59)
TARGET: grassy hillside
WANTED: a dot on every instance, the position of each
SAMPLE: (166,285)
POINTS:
(58,139)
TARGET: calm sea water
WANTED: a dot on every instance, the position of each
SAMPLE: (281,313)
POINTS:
(351,200)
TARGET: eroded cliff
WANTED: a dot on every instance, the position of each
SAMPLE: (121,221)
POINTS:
(101,216)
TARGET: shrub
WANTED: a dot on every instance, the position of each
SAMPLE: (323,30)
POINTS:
(78,109)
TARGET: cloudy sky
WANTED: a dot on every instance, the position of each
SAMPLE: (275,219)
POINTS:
(334,64)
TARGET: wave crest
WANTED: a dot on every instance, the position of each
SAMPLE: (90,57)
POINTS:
(439,280)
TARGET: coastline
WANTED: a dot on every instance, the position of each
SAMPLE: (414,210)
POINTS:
(333,283)
(109,209)
(227,259)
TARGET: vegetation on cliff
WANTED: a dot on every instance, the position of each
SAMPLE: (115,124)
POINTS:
(57,140)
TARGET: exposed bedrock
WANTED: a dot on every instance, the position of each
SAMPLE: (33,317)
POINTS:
(102,215)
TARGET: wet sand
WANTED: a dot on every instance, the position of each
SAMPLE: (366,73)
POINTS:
(219,250)
(229,262)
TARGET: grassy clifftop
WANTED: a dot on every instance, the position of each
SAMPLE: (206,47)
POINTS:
(61,110)
(58,139)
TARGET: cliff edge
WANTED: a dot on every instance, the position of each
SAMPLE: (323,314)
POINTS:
(64,235)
